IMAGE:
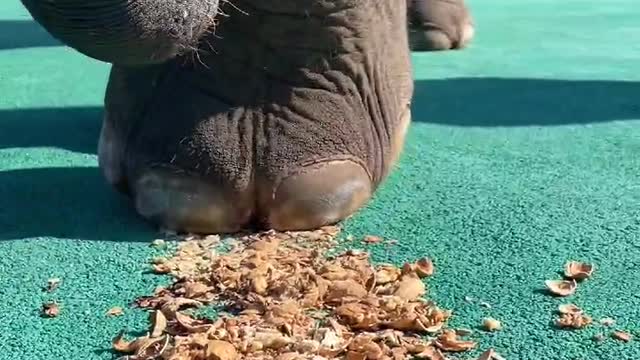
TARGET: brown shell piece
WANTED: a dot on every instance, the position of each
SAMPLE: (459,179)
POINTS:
(115,311)
(410,288)
(573,320)
(561,287)
(449,341)
(491,324)
(371,239)
(127,347)
(424,267)
(490,355)
(221,350)
(569,309)
(431,353)
(578,270)
(50,309)
(621,335)
(158,323)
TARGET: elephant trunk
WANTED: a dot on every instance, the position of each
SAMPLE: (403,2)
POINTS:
(126,32)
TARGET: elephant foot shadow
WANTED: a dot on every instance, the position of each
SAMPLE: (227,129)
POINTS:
(74,203)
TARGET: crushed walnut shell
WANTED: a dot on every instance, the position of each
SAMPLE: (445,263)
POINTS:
(561,287)
(371,239)
(490,355)
(50,309)
(491,324)
(573,320)
(115,311)
(288,296)
(569,309)
(621,335)
(578,270)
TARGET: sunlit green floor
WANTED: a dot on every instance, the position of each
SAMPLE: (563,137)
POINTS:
(524,153)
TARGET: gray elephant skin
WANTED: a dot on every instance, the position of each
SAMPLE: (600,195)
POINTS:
(276,114)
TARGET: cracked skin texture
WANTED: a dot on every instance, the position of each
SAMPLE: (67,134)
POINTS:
(284,115)
(292,95)
(277,106)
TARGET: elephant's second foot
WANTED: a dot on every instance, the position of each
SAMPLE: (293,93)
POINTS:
(438,40)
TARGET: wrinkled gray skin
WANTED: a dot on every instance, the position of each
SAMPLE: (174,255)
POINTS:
(278,114)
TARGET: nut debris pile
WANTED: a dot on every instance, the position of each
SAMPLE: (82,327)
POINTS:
(287,299)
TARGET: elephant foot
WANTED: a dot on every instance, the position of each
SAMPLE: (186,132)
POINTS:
(315,196)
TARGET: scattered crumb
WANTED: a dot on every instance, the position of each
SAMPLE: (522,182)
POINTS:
(449,341)
(221,350)
(464,332)
(491,324)
(485,305)
(598,337)
(561,287)
(50,309)
(607,321)
(469,299)
(573,320)
(490,355)
(621,335)
(569,309)
(52,284)
(578,270)
(370,239)
(424,267)
(115,311)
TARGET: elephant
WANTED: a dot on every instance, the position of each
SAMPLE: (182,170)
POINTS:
(279,114)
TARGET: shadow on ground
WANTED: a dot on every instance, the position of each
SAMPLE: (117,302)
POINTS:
(18,34)
(76,128)
(524,102)
(71,203)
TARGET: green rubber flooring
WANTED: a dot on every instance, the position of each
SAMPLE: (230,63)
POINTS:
(524,153)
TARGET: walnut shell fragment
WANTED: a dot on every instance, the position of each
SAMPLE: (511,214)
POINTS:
(115,311)
(424,267)
(431,353)
(371,239)
(410,288)
(490,355)
(158,323)
(578,270)
(621,335)
(128,347)
(50,309)
(221,350)
(573,320)
(491,324)
(561,287)
(449,341)
(569,309)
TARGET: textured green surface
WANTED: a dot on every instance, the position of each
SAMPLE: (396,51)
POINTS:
(523,154)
